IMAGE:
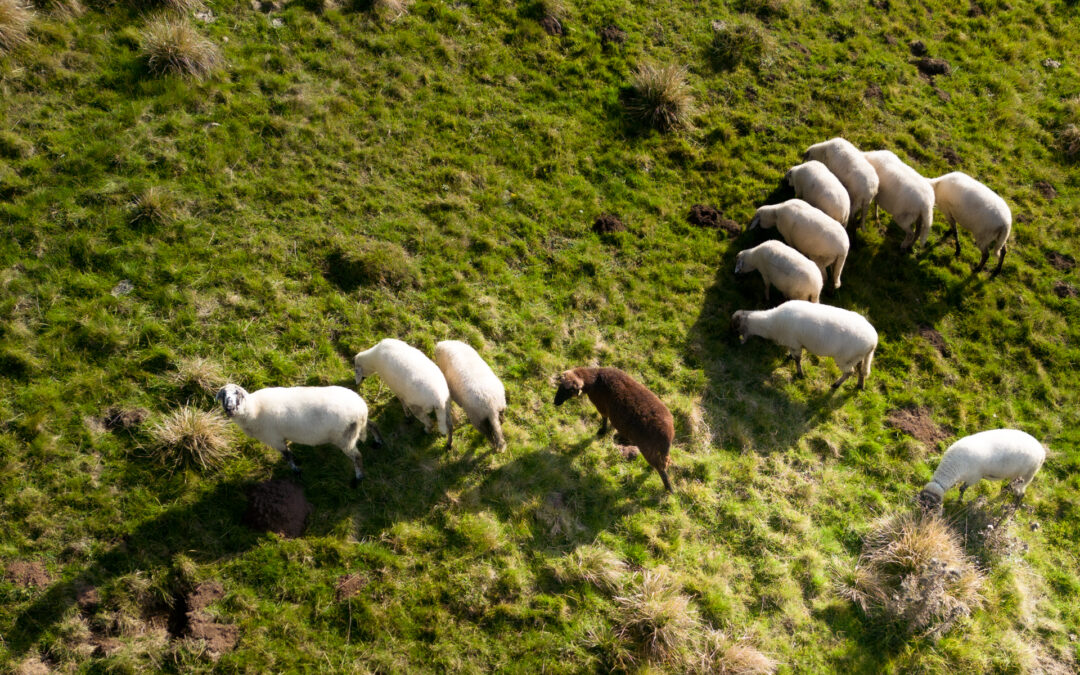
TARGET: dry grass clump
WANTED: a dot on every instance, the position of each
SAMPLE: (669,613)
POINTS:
(592,564)
(913,574)
(15,19)
(1069,138)
(386,9)
(660,97)
(199,374)
(153,206)
(656,618)
(173,46)
(986,530)
(61,8)
(192,437)
(719,654)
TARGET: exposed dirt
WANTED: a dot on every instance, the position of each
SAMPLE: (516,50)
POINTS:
(975,10)
(104,646)
(219,637)
(951,156)
(942,94)
(25,574)
(799,47)
(33,666)
(751,93)
(277,506)
(552,25)
(612,35)
(123,418)
(933,66)
(1046,190)
(87,598)
(1064,290)
(935,339)
(1060,261)
(883,5)
(890,40)
(703,215)
(349,585)
(628,452)
(918,48)
(608,223)
(204,594)
(874,91)
(916,422)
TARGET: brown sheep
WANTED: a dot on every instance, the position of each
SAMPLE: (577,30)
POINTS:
(636,413)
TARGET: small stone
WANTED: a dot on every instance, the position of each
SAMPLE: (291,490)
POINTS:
(1051,64)
(122,288)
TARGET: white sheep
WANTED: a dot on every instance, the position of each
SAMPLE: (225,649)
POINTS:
(976,208)
(810,230)
(815,184)
(1000,454)
(845,336)
(904,194)
(474,387)
(415,380)
(857,175)
(794,274)
(305,415)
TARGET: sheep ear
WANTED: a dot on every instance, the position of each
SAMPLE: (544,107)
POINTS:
(755,222)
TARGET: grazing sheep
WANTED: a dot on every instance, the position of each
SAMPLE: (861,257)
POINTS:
(820,329)
(415,380)
(904,194)
(814,183)
(637,414)
(857,175)
(978,209)
(1000,454)
(810,230)
(794,274)
(474,387)
(305,415)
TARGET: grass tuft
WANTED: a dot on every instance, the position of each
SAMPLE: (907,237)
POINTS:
(735,43)
(390,10)
(15,19)
(198,374)
(61,8)
(371,262)
(717,653)
(153,206)
(173,46)
(592,564)
(660,98)
(190,437)
(1069,139)
(656,618)
(913,574)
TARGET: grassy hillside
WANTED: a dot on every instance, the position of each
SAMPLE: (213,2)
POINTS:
(345,174)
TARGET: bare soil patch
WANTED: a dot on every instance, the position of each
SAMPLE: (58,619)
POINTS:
(608,223)
(277,506)
(123,418)
(87,598)
(1046,190)
(204,594)
(917,423)
(703,215)
(219,637)
(935,339)
(551,25)
(951,156)
(612,35)
(918,48)
(27,574)
(349,585)
(933,66)
(874,91)
(1060,261)
(1064,290)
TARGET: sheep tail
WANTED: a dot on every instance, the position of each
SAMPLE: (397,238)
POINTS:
(926,219)
(867,360)
(494,432)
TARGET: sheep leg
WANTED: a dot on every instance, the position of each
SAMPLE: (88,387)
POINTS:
(845,376)
(282,446)
(963,487)
(423,415)
(358,465)
(982,262)
(862,377)
(603,426)
(664,477)
(376,437)
(908,240)
(766,291)
(956,236)
(1001,261)
(797,355)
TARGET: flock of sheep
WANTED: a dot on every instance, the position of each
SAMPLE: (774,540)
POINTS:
(837,186)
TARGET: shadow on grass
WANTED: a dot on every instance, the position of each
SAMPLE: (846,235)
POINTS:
(207,529)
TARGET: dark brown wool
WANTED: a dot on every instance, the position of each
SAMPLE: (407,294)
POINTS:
(636,413)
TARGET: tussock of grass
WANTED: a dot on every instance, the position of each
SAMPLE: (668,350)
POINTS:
(153,206)
(190,437)
(660,97)
(1069,138)
(61,8)
(386,9)
(592,564)
(173,46)
(176,6)
(199,374)
(656,618)
(719,654)
(371,262)
(15,19)
(913,574)
(734,43)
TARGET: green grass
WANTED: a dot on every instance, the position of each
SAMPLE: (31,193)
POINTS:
(343,176)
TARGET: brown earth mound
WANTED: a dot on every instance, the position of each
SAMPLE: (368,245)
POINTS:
(918,48)
(916,422)
(951,156)
(935,339)
(204,594)
(1064,290)
(277,506)
(612,35)
(123,418)
(25,574)
(608,223)
(874,91)
(552,25)
(87,598)
(1060,261)
(219,637)
(349,585)
(703,216)
(933,66)
(1046,190)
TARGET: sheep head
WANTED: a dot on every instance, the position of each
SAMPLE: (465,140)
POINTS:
(738,324)
(929,501)
(359,368)
(763,218)
(740,262)
(570,385)
(231,397)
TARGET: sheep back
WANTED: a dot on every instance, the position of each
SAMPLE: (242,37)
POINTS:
(473,385)
(998,454)
(794,274)
(412,376)
(903,192)
(974,207)
(811,231)
(845,336)
(815,184)
(847,163)
(304,415)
